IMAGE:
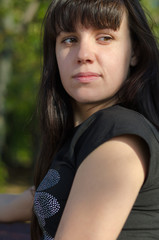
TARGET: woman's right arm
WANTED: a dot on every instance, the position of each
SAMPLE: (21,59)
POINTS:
(16,207)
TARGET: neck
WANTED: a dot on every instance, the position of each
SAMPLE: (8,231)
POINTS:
(83,111)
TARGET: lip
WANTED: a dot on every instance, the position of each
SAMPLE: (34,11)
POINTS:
(86,77)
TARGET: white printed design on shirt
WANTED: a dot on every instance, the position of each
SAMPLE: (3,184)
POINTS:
(45,204)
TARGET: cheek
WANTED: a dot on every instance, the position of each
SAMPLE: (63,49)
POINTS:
(116,68)
(61,65)
(64,73)
(59,61)
(121,63)
(63,61)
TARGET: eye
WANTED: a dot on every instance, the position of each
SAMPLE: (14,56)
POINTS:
(105,38)
(69,40)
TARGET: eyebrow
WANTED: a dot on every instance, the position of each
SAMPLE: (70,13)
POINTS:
(95,29)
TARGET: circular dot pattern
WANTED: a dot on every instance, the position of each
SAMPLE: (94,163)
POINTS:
(45,206)
(47,237)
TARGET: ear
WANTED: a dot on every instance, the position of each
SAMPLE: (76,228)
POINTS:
(134,59)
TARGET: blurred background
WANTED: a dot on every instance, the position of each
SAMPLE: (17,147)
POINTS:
(20,68)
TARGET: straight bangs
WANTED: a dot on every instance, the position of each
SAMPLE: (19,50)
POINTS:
(64,15)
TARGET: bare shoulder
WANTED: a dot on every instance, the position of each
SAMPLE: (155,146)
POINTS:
(104,190)
(128,153)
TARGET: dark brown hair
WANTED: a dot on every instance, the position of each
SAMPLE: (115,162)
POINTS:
(140,91)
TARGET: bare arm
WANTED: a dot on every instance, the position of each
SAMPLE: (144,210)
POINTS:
(16,207)
(104,191)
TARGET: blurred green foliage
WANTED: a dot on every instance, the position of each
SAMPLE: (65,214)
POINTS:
(152,10)
(20,44)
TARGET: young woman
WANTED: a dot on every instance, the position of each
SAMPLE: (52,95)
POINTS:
(98,172)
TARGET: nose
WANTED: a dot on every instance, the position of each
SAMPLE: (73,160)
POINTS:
(85,53)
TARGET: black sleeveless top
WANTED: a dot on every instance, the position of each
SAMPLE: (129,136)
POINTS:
(52,193)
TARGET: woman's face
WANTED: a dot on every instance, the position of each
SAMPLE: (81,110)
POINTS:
(93,63)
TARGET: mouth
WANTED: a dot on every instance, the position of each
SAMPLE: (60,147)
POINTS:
(86,77)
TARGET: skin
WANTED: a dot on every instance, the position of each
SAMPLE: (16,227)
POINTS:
(102,195)
(93,64)
(16,207)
